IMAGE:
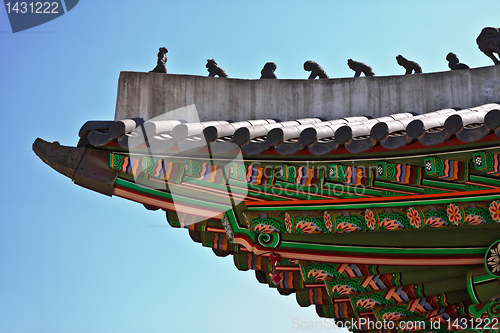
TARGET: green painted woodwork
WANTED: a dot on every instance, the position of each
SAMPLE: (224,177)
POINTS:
(167,196)
(389,204)
(481,284)
(340,288)
(443,184)
(434,216)
(304,192)
(398,187)
(485,180)
(426,227)
(301,175)
(487,162)
(312,296)
(471,239)
(173,219)
(318,272)
(350,175)
(399,173)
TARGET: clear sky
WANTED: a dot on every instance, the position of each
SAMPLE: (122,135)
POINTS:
(72,260)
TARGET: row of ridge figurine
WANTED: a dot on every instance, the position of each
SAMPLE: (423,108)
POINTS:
(488,42)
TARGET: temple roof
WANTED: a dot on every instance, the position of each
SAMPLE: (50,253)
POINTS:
(391,217)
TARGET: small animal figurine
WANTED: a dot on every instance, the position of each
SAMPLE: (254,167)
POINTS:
(162,59)
(489,42)
(268,71)
(410,66)
(214,69)
(315,69)
(454,63)
(359,67)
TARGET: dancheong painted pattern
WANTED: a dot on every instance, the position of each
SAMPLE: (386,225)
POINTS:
(395,219)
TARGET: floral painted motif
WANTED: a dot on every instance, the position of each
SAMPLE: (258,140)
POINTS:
(288,222)
(370,219)
(367,303)
(347,227)
(391,224)
(318,274)
(265,229)
(308,227)
(495,211)
(472,219)
(414,217)
(393,316)
(343,289)
(493,262)
(436,222)
(328,221)
(454,215)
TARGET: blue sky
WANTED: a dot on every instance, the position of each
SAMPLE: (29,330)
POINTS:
(72,260)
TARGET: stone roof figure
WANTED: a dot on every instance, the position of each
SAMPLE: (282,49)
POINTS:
(454,63)
(409,65)
(214,69)
(268,71)
(489,42)
(315,69)
(162,60)
(359,67)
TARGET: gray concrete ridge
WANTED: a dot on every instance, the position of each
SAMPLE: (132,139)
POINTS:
(147,95)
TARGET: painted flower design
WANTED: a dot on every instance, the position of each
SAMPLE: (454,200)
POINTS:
(288,222)
(367,303)
(307,227)
(328,221)
(454,215)
(436,222)
(318,274)
(392,316)
(413,216)
(343,289)
(494,259)
(347,227)
(370,219)
(391,224)
(265,229)
(495,211)
(473,219)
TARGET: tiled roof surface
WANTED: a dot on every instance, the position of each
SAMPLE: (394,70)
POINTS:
(319,136)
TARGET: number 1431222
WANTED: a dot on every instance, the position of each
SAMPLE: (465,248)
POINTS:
(32,7)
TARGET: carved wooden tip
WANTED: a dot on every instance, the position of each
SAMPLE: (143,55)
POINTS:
(60,158)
